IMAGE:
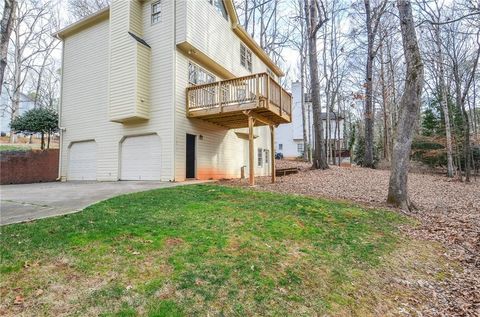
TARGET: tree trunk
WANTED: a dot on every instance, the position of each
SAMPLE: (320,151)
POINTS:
(319,157)
(369,111)
(444,101)
(386,147)
(466,130)
(302,88)
(17,83)
(6,26)
(409,109)
(42,141)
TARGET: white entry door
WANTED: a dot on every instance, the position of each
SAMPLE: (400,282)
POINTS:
(82,161)
(141,158)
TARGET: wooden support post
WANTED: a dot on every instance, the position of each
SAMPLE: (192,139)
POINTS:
(280,102)
(187,105)
(220,96)
(272,152)
(268,92)
(251,160)
(257,91)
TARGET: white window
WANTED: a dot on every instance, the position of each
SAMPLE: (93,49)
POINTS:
(220,7)
(198,75)
(280,147)
(300,148)
(246,57)
(156,11)
(267,157)
(260,157)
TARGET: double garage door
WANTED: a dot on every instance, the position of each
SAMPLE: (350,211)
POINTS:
(140,159)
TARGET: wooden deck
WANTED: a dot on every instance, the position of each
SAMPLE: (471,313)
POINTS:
(229,103)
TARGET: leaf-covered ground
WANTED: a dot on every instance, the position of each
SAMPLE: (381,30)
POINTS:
(209,250)
(448,212)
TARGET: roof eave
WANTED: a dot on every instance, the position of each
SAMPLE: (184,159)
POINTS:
(83,23)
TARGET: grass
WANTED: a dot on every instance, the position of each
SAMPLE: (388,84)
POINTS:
(14,148)
(204,249)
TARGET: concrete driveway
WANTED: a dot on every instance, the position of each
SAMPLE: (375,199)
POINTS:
(25,202)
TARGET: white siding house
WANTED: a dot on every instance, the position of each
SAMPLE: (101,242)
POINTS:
(5,110)
(289,137)
(126,97)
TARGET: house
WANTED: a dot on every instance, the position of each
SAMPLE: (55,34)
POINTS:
(289,137)
(167,90)
(6,110)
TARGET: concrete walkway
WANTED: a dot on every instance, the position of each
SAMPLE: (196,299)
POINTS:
(25,202)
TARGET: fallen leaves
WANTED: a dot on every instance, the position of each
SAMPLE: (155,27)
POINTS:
(448,212)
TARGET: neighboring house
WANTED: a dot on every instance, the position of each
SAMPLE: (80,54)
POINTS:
(289,137)
(165,90)
(6,110)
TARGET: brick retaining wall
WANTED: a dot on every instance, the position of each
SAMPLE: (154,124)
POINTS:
(28,167)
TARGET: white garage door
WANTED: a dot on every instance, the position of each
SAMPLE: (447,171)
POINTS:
(141,158)
(82,161)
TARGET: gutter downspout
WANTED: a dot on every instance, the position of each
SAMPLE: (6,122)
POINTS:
(174,108)
(60,106)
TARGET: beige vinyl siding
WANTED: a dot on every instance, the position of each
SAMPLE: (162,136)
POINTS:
(181,21)
(221,153)
(85,94)
(136,17)
(199,24)
(143,81)
(90,82)
(129,63)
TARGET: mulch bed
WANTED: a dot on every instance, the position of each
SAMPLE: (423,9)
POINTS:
(448,212)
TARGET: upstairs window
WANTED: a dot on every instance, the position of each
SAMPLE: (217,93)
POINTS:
(270,73)
(246,57)
(198,75)
(220,7)
(156,10)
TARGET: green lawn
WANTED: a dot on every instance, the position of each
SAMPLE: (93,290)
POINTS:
(14,147)
(206,249)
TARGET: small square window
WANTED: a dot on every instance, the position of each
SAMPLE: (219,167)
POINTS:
(280,147)
(156,11)
(300,148)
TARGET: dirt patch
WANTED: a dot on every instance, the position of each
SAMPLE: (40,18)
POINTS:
(448,212)
(173,241)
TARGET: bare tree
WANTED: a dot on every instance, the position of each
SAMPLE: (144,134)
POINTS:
(316,18)
(409,109)
(262,19)
(460,57)
(30,41)
(299,42)
(373,17)
(6,26)
(434,15)
(82,8)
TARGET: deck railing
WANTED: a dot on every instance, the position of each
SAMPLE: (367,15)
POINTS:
(257,88)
